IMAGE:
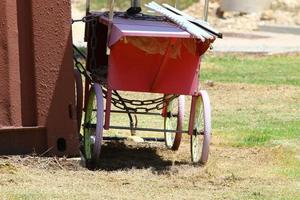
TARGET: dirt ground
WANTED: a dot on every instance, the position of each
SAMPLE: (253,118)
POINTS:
(141,172)
(150,171)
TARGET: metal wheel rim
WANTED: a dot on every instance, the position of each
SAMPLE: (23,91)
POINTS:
(174,122)
(78,97)
(170,124)
(94,115)
(202,124)
(198,128)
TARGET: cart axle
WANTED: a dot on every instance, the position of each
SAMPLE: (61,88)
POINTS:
(146,129)
(136,129)
(147,139)
(136,113)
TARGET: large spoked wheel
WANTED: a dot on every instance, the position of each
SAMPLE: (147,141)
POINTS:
(201,126)
(78,96)
(93,126)
(173,120)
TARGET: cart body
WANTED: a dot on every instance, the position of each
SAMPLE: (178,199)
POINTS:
(150,56)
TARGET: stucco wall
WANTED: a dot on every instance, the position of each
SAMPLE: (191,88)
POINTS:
(10,101)
(36,74)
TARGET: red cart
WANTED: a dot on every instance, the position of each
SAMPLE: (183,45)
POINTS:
(147,54)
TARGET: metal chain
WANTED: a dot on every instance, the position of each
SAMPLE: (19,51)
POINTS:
(86,19)
(139,105)
(141,108)
(77,54)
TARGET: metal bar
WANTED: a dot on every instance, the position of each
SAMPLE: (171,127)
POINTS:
(177,4)
(137,113)
(148,139)
(87,12)
(110,18)
(137,129)
(108,108)
(111,9)
(146,129)
(88,7)
(206,7)
(192,115)
(135,3)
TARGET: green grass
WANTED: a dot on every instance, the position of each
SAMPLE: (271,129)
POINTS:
(261,97)
(254,133)
(279,70)
(256,103)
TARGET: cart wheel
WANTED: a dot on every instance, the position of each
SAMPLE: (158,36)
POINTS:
(174,121)
(93,126)
(79,96)
(201,128)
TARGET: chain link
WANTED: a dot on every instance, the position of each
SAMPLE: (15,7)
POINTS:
(77,54)
(139,105)
(86,19)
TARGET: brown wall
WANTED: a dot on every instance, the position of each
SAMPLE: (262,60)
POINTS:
(27,67)
(10,101)
(36,77)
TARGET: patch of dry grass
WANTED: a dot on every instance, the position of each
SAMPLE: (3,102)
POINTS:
(232,173)
(254,152)
(150,171)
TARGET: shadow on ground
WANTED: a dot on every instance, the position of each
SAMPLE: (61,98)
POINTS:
(120,156)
